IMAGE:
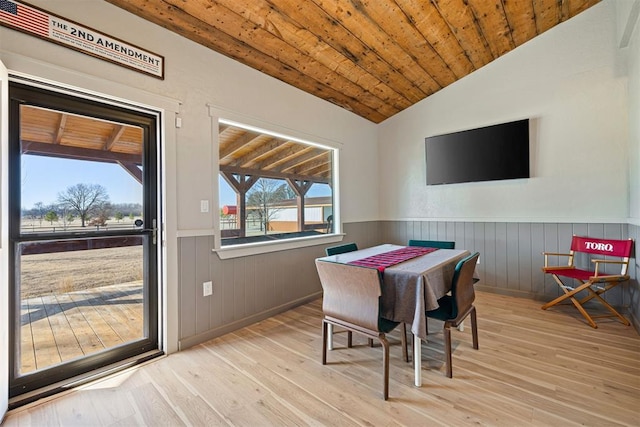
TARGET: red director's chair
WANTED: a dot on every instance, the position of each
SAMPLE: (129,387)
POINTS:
(595,282)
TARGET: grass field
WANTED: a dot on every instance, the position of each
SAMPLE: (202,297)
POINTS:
(62,272)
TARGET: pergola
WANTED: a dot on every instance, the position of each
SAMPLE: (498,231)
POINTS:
(246,156)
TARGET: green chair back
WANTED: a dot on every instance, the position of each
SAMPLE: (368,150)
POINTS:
(440,244)
(341,249)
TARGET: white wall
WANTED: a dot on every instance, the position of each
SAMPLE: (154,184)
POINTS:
(633,51)
(571,83)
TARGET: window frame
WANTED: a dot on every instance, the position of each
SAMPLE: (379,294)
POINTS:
(253,248)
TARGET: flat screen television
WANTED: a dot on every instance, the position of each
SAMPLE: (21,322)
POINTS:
(484,154)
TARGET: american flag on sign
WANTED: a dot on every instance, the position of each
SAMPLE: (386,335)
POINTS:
(24,18)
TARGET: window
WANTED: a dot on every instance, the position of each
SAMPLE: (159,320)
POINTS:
(272,187)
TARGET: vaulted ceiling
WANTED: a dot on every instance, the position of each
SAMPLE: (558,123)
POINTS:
(372,57)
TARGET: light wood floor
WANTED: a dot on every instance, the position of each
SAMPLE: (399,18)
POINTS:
(534,367)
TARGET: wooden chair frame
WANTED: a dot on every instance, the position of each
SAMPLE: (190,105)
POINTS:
(594,282)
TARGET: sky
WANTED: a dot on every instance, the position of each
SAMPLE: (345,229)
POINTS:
(43,178)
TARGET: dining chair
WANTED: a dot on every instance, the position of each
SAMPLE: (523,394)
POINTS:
(440,244)
(453,309)
(337,250)
(351,300)
(341,249)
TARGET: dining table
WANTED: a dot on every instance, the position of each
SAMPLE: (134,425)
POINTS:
(410,287)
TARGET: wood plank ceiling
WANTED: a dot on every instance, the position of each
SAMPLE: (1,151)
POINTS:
(372,57)
(251,153)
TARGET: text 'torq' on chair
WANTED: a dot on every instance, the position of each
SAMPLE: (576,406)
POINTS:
(352,300)
(454,308)
(440,244)
(595,282)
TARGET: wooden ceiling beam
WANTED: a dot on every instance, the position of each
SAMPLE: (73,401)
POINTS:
(309,154)
(320,170)
(273,174)
(283,153)
(133,170)
(310,166)
(60,131)
(78,153)
(240,182)
(253,156)
(114,137)
(237,144)
(300,187)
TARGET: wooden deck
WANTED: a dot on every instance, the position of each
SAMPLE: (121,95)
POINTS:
(60,327)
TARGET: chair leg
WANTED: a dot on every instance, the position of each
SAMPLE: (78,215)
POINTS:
(584,313)
(567,294)
(447,348)
(349,339)
(385,365)
(325,334)
(570,296)
(614,312)
(474,328)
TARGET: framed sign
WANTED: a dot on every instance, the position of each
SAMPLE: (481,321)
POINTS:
(37,22)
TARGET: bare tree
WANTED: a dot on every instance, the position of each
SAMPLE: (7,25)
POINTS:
(39,210)
(84,199)
(263,198)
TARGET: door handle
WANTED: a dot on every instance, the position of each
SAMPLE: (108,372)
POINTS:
(153,230)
